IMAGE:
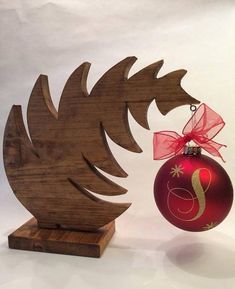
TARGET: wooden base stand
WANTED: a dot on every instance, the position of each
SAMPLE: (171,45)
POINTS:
(89,244)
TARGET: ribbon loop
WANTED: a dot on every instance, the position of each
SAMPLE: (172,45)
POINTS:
(201,128)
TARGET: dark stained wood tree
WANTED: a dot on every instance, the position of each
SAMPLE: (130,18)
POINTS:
(54,171)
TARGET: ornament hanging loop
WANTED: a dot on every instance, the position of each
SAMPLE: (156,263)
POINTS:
(193,107)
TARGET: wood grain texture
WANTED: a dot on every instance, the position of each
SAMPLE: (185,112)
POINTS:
(89,244)
(55,171)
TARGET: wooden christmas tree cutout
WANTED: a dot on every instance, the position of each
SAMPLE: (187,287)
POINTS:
(54,172)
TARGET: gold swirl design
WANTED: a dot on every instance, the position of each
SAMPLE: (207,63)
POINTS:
(199,192)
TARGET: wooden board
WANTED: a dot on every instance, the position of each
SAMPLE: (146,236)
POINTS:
(54,171)
(32,238)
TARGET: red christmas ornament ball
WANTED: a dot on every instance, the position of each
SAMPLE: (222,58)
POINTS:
(193,192)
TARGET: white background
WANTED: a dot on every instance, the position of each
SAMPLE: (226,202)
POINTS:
(55,37)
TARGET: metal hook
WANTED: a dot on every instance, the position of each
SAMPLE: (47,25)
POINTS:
(193,107)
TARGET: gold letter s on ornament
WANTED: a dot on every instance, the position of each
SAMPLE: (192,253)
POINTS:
(199,192)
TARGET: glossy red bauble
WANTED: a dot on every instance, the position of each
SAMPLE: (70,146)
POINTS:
(193,192)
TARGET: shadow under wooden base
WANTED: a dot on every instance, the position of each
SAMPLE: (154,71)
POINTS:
(89,244)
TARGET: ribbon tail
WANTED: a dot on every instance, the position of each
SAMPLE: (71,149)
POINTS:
(212,148)
(166,144)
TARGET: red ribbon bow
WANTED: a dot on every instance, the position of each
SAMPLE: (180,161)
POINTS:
(202,127)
